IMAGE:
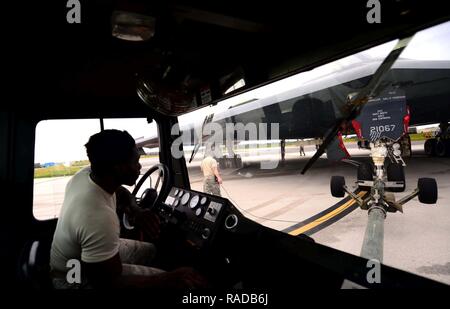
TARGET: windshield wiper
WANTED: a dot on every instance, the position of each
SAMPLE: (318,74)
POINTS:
(207,120)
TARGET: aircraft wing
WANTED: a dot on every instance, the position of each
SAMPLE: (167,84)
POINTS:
(308,110)
(148,142)
(306,105)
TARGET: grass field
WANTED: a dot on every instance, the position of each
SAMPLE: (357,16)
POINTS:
(414,137)
(417,137)
(56,171)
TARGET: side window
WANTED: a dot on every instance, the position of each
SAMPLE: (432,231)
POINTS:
(60,153)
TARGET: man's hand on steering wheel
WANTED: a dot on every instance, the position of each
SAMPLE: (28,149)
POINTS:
(143,215)
(146,220)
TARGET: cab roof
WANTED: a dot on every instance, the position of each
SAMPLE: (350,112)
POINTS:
(62,66)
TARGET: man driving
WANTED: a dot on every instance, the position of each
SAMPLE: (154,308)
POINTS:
(88,227)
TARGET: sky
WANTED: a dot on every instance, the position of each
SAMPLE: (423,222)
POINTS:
(63,140)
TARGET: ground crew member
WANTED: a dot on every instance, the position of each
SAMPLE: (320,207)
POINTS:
(302,150)
(283,150)
(211,175)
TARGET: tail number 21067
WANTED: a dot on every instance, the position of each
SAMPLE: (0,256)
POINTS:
(381,129)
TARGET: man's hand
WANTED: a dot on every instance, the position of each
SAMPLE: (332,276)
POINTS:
(145,219)
(184,277)
(216,173)
(148,221)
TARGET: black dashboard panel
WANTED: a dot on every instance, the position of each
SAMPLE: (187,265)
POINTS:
(198,214)
(235,249)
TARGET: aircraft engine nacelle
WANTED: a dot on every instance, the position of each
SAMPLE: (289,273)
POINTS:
(311,117)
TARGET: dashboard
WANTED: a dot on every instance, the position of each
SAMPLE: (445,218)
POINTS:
(199,215)
(235,249)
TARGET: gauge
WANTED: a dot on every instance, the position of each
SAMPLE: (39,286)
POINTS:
(231,221)
(176,192)
(203,200)
(180,193)
(185,198)
(198,212)
(175,203)
(194,201)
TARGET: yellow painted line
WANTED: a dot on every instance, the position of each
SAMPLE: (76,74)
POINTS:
(326,217)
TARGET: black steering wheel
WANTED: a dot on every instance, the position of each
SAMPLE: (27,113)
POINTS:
(151,197)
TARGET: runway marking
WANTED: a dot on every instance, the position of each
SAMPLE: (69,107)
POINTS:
(325,218)
(266,203)
(282,210)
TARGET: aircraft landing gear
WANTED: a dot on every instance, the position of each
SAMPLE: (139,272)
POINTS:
(230,162)
(442,148)
(337,185)
(428,191)
(379,202)
(365,173)
(396,173)
(430,147)
(439,147)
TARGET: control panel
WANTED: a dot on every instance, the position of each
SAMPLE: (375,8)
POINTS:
(199,213)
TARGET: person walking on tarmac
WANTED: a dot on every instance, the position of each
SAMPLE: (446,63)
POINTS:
(211,176)
(302,151)
(283,150)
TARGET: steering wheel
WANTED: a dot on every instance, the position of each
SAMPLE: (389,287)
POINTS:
(148,199)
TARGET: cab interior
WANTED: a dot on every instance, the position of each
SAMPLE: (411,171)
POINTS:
(87,74)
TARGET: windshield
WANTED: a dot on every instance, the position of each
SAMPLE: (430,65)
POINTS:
(260,140)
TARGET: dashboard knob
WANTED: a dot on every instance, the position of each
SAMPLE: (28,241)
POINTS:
(231,221)
(205,233)
(212,211)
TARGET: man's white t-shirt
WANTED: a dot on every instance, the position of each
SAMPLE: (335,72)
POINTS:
(88,228)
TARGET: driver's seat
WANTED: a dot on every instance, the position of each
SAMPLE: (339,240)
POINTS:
(34,265)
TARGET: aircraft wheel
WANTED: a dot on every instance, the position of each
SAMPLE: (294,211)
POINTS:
(441,149)
(337,184)
(238,161)
(428,191)
(430,147)
(365,172)
(396,172)
(406,147)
